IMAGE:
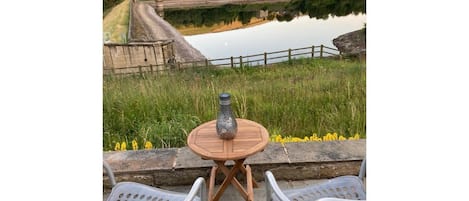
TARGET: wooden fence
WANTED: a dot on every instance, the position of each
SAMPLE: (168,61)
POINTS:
(263,59)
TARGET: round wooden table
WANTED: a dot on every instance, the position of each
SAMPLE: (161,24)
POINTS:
(250,139)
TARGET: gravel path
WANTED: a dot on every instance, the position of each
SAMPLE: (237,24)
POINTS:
(156,28)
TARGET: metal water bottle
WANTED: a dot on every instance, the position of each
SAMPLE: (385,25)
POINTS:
(226,121)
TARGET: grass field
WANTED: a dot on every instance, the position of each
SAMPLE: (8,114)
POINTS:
(116,23)
(299,99)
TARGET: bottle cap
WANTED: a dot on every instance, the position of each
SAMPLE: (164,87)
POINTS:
(225,99)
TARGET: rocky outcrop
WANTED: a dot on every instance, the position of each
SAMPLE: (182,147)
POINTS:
(353,43)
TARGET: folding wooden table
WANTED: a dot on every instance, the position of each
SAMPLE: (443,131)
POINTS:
(250,139)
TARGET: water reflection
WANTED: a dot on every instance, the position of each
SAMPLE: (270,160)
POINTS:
(275,35)
(267,27)
(285,11)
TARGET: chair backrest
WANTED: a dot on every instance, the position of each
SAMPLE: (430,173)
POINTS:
(332,199)
(131,191)
(345,187)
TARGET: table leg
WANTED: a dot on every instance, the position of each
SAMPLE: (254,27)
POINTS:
(229,178)
(254,183)
(233,181)
(249,183)
(212,182)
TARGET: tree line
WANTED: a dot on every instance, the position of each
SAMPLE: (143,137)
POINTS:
(110,3)
(319,9)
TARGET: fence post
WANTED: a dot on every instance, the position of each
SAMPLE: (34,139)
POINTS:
(265,58)
(140,70)
(232,62)
(206,63)
(164,57)
(112,61)
(312,51)
(151,69)
(320,54)
(289,56)
(240,61)
(154,54)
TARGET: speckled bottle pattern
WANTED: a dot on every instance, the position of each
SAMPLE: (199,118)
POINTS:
(226,121)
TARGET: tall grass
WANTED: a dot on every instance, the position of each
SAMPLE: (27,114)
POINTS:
(320,96)
(116,23)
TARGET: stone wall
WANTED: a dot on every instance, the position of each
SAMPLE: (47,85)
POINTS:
(125,58)
(291,161)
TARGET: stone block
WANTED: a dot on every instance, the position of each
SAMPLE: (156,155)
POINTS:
(141,160)
(139,178)
(326,151)
(273,153)
(188,159)
(185,176)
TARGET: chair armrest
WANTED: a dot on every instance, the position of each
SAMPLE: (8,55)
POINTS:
(362,172)
(198,187)
(109,173)
(272,187)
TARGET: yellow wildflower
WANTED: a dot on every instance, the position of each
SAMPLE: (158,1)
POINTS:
(134,145)
(355,137)
(148,145)
(278,138)
(117,147)
(313,138)
(123,146)
(326,137)
(297,139)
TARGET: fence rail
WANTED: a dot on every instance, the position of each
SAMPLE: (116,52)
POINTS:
(265,58)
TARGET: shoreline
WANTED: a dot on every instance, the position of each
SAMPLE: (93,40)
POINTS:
(185,4)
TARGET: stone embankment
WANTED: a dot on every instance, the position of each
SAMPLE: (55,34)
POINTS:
(151,27)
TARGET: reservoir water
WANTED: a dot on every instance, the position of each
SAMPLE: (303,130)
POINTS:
(241,30)
(274,36)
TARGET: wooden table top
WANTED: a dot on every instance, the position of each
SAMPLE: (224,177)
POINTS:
(250,139)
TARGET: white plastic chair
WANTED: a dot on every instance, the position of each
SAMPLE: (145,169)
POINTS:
(131,191)
(332,199)
(344,187)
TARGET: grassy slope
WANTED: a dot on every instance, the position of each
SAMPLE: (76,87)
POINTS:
(116,23)
(310,96)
